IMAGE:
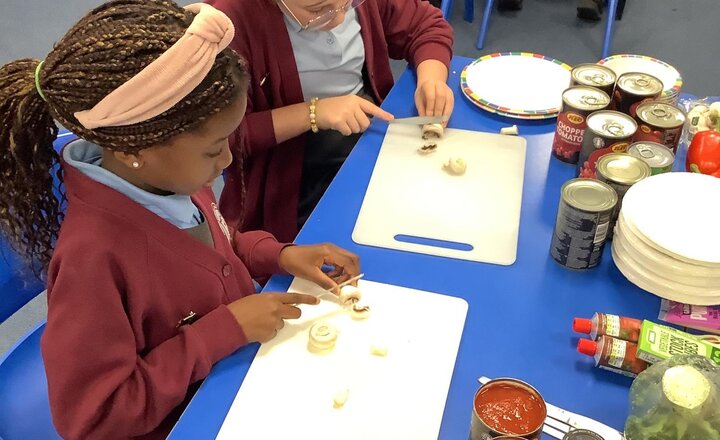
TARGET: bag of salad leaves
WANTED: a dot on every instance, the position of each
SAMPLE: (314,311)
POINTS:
(676,399)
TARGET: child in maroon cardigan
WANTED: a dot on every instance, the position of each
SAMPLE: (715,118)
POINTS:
(334,50)
(148,286)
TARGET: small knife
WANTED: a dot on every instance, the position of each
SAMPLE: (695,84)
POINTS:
(421,120)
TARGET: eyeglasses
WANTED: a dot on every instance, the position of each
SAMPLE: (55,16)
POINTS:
(323,19)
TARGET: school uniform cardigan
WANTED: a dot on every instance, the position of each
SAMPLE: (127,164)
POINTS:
(401,29)
(120,280)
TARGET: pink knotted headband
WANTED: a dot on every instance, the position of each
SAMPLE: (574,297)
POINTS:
(167,80)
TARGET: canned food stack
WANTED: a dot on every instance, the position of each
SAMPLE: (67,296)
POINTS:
(666,237)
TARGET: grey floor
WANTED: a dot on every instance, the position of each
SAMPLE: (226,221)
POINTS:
(682,33)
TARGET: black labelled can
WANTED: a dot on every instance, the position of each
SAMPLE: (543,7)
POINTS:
(607,132)
(620,171)
(583,218)
(491,408)
(632,88)
(594,75)
(659,122)
(582,434)
(658,156)
(578,103)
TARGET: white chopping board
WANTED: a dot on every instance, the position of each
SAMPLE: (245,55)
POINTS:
(288,391)
(410,195)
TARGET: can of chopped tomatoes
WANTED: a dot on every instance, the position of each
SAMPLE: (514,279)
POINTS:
(499,397)
(578,103)
(593,75)
(633,88)
(607,132)
(659,122)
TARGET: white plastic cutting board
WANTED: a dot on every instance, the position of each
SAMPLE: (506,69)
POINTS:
(410,194)
(288,391)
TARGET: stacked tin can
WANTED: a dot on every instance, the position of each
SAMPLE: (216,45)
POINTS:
(659,157)
(593,75)
(583,219)
(633,88)
(607,132)
(659,122)
(620,171)
(578,103)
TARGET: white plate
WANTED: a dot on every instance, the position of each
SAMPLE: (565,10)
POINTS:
(517,83)
(673,293)
(668,266)
(660,273)
(623,63)
(678,213)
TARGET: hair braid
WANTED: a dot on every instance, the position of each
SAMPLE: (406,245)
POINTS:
(105,49)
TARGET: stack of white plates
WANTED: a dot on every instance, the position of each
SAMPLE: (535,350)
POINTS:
(667,238)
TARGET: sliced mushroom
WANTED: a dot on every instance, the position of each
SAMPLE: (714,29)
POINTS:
(456,166)
(427,148)
(432,131)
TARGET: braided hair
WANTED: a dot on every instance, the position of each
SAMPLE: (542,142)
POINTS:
(105,49)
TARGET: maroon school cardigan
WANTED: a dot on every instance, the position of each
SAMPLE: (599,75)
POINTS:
(120,280)
(401,29)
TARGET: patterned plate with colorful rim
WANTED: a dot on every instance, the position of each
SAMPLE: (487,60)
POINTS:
(519,83)
(670,77)
(513,115)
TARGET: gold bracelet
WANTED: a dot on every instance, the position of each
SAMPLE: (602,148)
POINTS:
(313,121)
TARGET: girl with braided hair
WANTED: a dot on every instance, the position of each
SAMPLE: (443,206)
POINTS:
(148,286)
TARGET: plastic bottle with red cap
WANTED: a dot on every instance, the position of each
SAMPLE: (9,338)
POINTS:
(620,327)
(613,354)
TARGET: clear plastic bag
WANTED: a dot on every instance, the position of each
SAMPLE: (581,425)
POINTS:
(677,399)
(699,115)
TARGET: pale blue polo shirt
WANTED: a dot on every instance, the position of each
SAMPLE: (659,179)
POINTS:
(329,63)
(177,209)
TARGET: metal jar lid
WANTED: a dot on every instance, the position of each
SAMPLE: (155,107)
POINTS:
(654,154)
(593,75)
(612,124)
(585,98)
(660,114)
(640,84)
(622,168)
(582,434)
(589,195)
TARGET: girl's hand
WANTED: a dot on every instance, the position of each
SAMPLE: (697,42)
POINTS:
(262,315)
(347,114)
(307,262)
(434,98)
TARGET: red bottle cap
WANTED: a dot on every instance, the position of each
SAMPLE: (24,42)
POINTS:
(581,325)
(587,346)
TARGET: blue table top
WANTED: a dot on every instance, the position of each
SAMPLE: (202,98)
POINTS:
(520,316)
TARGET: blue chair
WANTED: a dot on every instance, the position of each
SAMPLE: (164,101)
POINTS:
(24,405)
(469,16)
(446,8)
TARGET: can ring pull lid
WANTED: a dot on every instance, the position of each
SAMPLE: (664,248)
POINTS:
(614,128)
(659,112)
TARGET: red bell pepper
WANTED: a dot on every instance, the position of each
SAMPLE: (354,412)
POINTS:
(703,155)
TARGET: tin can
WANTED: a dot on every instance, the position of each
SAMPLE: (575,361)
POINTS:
(583,219)
(607,132)
(620,171)
(582,434)
(658,156)
(593,75)
(632,88)
(530,413)
(659,122)
(578,103)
